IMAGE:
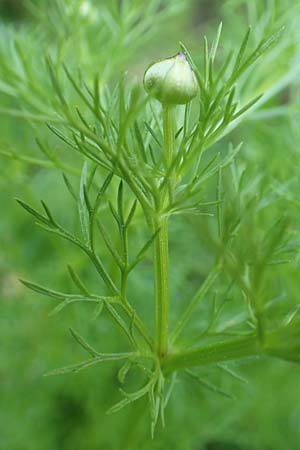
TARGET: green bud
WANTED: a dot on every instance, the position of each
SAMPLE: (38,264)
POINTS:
(171,81)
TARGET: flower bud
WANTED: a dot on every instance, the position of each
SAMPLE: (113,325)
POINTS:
(171,81)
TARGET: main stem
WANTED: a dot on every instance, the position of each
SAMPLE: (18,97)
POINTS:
(161,260)
(162,294)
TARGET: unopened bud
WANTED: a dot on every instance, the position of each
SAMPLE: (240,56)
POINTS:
(171,81)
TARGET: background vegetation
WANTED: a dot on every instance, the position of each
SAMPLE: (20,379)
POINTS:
(110,37)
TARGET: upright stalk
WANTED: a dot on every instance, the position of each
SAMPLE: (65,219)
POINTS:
(169,134)
(161,260)
(162,294)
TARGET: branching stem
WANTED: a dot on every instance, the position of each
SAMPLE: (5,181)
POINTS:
(169,134)
(161,260)
(201,292)
(231,349)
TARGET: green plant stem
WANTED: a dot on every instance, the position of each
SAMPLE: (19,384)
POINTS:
(231,349)
(161,249)
(200,294)
(169,134)
(124,272)
(161,262)
(138,322)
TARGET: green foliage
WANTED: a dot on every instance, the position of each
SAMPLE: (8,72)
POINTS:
(131,168)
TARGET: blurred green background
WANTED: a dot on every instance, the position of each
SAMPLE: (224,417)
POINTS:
(68,413)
